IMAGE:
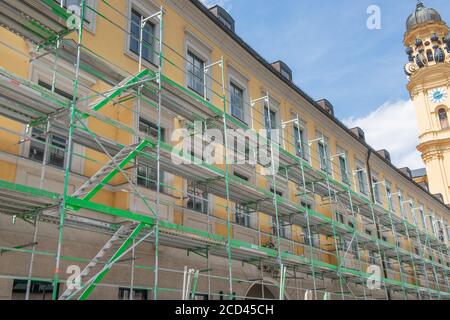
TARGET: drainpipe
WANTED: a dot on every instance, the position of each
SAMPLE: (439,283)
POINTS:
(377,226)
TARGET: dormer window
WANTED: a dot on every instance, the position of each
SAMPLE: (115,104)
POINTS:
(283,69)
(286,74)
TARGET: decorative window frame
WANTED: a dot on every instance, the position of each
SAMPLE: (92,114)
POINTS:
(438,120)
(359,165)
(193,44)
(326,141)
(146,8)
(239,80)
(42,70)
(210,198)
(390,201)
(302,125)
(341,151)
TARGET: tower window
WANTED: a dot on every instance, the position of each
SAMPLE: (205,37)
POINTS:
(443,119)
(430,55)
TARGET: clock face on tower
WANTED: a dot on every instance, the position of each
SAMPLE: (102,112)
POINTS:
(439,95)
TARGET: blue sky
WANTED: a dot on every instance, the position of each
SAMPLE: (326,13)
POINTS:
(334,55)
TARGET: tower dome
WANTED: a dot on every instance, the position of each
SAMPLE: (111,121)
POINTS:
(422,15)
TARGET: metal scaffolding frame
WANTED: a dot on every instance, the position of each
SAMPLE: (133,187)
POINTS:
(38,107)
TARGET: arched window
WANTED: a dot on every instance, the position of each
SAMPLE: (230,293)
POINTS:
(443,119)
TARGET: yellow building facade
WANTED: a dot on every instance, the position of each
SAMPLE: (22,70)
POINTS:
(87,123)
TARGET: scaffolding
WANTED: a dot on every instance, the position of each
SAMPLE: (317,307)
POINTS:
(332,251)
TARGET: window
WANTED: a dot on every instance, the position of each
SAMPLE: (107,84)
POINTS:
(432,224)
(376,190)
(430,56)
(147,36)
(422,216)
(306,205)
(388,263)
(372,257)
(237,102)
(443,119)
(400,203)
(147,175)
(56,149)
(286,74)
(389,197)
(279,193)
(324,156)
(412,211)
(362,182)
(270,122)
(314,241)
(343,169)
(197,199)
(299,138)
(441,235)
(242,215)
(39,290)
(196,73)
(285,227)
(57,91)
(340,217)
(150,129)
(138,294)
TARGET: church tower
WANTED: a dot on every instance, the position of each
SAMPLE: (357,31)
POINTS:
(427,42)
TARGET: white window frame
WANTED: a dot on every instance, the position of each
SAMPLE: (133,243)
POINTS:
(326,145)
(209,199)
(376,189)
(241,82)
(343,154)
(301,126)
(361,170)
(146,9)
(193,44)
(401,199)
(42,70)
(389,196)
(274,106)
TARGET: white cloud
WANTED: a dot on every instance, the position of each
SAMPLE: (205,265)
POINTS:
(393,127)
(226,4)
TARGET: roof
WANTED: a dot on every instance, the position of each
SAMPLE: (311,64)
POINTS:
(419,173)
(422,15)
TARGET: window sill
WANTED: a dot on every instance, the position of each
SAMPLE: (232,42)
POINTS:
(145,63)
